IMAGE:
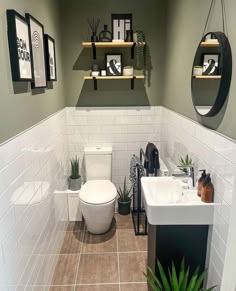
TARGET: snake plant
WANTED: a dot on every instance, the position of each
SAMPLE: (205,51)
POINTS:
(124,194)
(74,168)
(176,282)
(187,161)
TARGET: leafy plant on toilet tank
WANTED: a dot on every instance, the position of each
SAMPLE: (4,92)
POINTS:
(124,199)
(74,180)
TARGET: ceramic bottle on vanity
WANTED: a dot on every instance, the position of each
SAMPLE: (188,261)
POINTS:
(207,192)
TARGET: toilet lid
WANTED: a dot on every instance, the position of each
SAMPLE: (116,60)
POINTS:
(98,192)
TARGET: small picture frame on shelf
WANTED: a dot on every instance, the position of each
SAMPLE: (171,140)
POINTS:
(121,23)
(50,55)
(36,30)
(19,47)
(210,37)
(211,64)
(114,64)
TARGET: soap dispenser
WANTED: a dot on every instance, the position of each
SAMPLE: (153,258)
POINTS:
(207,190)
(200,182)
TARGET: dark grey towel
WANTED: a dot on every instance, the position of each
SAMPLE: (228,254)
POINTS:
(153,163)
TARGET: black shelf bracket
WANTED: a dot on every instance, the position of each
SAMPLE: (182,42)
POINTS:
(132,50)
(95,83)
(132,82)
(94,51)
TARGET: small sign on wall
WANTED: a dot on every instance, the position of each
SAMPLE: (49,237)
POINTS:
(121,23)
(19,46)
(50,56)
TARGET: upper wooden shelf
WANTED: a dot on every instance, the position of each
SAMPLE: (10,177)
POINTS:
(114,77)
(207,77)
(210,44)
(111,44)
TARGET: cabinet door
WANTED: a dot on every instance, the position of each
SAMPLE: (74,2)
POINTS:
(61,207)
(74,210)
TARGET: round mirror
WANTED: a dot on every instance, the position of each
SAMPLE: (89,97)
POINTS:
(211,73)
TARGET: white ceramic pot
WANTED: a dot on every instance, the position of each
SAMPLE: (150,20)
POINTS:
(197,71)
(128,71)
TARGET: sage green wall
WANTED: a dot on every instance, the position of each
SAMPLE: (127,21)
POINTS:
(148,15)
(185,25)
(20,107)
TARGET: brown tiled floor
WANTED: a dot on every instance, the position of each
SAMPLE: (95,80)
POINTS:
(114,261)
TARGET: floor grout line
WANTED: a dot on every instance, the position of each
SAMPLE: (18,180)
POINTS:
(118,259)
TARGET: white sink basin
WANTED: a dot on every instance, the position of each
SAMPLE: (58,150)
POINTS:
(167,203)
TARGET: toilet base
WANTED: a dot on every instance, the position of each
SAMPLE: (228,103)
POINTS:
(98,218)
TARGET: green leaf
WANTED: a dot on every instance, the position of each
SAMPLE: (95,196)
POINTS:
(199,281)
(185,281)
(153,278)
(211,288)
(181,273)
(175,284)
(163,277)
(193,280)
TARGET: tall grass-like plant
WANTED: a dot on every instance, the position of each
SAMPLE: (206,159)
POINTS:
(174,281)
(74,168)
(124,194)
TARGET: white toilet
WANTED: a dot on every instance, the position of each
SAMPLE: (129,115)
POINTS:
(98,194)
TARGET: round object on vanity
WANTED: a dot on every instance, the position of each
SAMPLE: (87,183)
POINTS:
(95,73)
(128,71)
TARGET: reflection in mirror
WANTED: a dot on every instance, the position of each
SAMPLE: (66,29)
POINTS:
(211,73)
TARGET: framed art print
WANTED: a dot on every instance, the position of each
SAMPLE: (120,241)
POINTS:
(211,64)
(120,24)
(50,56)
(36,31)
(114,64)
(19,47)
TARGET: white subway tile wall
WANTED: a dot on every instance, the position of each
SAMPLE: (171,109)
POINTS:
(126,129)
(31,166)
(211,151)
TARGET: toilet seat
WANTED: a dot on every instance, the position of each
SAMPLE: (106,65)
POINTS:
(98,192)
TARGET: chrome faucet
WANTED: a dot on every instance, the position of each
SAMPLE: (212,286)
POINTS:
(190,173)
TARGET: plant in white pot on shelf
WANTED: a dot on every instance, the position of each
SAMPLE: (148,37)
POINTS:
(124,200)
(74,180)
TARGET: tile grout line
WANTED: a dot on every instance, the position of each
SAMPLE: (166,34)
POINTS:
(77,269)
(118,259)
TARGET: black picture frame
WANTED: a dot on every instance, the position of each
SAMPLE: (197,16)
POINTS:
(50,56)
(19,47)
(117,19)
(112,68)
(214,63)
(36,32)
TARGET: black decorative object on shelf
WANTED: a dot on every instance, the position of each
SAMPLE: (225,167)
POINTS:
(94,24)
(120,24)
(19,47)
(114,64)
(50,55)
(105,35)
(37,51)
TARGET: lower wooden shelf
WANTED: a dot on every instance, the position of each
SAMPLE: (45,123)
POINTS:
(207,77)
(132,78)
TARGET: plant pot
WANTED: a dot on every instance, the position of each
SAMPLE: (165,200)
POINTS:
(74,184)
(94,37)
(124,207)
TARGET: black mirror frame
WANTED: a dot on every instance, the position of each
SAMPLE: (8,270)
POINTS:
(226,73)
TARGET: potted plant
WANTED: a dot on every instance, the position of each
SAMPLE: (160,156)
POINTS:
(124,199)
(74,180)
(184,162)
(174,281)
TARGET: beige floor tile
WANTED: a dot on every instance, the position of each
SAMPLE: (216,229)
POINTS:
(132,266)
(72,242)
(98,268)
(123,221)
(128,241)
(61,288)
(65,270)
(98,288)
(75,226)
(134,287)
(100,243)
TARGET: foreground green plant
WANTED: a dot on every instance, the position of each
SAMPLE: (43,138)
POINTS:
(184,162)
(124,194)
(74,168)
(174,282)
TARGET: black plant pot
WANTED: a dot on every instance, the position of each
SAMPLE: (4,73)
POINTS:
(94,37)
(124,207)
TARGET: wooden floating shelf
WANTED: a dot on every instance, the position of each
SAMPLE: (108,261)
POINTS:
(207,77)
(112,44)
(114,77)
(209,44)
(131,78)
